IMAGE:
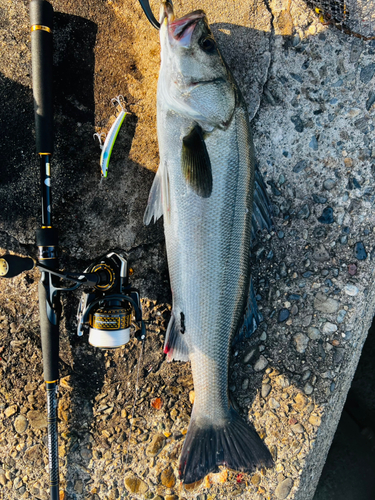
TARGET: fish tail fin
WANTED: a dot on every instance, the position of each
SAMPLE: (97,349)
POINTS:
(232,443)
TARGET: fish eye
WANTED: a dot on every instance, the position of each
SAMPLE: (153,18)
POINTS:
(207,44)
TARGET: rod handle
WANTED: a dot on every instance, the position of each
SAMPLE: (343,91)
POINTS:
(49,332)
(41,17)
(13,265)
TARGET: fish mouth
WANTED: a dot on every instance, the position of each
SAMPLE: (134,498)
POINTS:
(181,29)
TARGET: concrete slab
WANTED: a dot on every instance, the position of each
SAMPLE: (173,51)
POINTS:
(310,91)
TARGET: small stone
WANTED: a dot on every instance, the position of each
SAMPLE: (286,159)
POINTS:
(313,333)
(283,488)
(255,480)
(313,144)
(299,166)
(301,401)
(327,216)
(20,424)
(37,419)
(301,341)
(325,304)
(282,381)
(298,123)
(367,73)
(341,315)
(274,404)
(78,486)
(135,485)
(245,384)
(319,199)
(249,355)
(10,411)
(260,364)
(329,184)
(329,328)
(315,420)
(283,315)
(167,477)
(156,445)
(33,455)
(352,269)
(338,355)
(370,101)
(304,212)
(308,388)
(360,251)
(266,389)
(3,479)
(351,290)
(298,429)
(306,321)
(320,254)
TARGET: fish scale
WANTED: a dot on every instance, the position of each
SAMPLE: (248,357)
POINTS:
(204,188)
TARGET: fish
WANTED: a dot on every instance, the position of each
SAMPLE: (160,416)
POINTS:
(204,189)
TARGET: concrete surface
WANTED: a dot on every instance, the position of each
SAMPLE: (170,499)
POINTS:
(310,92)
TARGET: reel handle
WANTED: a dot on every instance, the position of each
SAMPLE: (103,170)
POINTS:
(13,265)
(41,17)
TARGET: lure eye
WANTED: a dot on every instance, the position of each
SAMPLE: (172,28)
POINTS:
(207,44)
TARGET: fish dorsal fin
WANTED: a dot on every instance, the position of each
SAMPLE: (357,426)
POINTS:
(196,164)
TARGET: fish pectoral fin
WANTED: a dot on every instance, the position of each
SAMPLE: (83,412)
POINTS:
(196,164)
(175,346)
(154,207)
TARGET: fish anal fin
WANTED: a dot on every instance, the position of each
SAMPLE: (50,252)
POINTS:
(175,346)
(196,164)
(233,443)
(154,207)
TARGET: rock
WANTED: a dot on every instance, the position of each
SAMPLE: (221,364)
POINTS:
(360,251)
(274,404)
(282,381)
(283,315)
(329,184)
(78,486)
(299,166)
(167,478)
(351,290)
(20,424)
(10,411)
(308,388)
(367,73)
(135,485)
(298,428)
(34,455)
(156,445)
(313,144)
(329,328)
(306,321)
(283,488)
(304,212)
(352,269)
(245,384)
(260,364)
(313,333)
(249,356)
(266,388)
(301,401)
(320,254)
(327,216)
(301,341)
(325,304)
(3,479)
(37,419)
(315,420)
(340,316)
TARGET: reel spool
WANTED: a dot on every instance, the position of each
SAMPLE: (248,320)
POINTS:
(106,312)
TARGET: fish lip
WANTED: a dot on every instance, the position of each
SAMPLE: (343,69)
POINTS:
(181,29)
(166,11)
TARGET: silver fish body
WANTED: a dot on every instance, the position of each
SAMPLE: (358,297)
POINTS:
(204,189)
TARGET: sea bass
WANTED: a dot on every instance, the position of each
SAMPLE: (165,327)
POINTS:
(204,190)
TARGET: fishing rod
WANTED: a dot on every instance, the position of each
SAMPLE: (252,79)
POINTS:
(108,304)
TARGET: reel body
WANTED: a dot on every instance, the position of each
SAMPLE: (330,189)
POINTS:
(106,311)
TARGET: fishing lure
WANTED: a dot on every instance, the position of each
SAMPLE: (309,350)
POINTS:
(111,137)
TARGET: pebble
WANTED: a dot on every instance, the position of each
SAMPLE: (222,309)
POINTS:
(156,445)
(304,212)
(338,355)
(309,389)
(367,73)
(341,315)
(360,251)
(283,488)
(273,403)
(329,184)
(298,123)
(10,411)
(315,420)
(370,101)
(351,290)
(320,254)
(260,364)
(167,478)
(301,341)
(37,419)
(319,199)
(135,485)
(298,428)
(329,328)
(313,144)
(325,304)
(20,424)
(313,333)
(306,321)
(327,216)
(299,166)
(283,315)
(266,389)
